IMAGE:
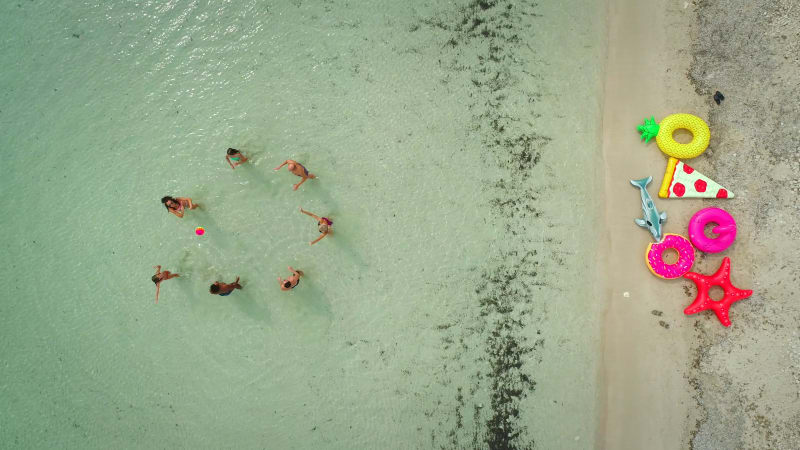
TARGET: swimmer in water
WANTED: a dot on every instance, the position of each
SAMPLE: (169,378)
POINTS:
(161,276)
(324,224)
(297,169)
(177,205)
(292,281)
(235,158)
(224,289)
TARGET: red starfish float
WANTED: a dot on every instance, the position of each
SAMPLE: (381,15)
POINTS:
(722,279)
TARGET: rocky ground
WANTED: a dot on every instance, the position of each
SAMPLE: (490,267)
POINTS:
(747,377)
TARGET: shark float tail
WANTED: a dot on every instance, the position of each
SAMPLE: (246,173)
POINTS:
(642,182)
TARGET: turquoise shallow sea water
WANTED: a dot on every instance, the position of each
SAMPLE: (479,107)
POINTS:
(455,145)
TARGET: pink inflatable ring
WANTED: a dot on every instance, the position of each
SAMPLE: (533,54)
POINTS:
(726,229)
(655,261)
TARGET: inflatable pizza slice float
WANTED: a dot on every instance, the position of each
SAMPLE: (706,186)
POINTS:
(683,181)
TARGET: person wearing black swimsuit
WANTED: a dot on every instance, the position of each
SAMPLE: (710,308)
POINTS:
(224,289)
(292,281)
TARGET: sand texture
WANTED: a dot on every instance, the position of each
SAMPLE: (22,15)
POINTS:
(646,353)
(675,381)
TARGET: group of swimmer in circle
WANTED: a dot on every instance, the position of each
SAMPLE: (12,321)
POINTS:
(179,205)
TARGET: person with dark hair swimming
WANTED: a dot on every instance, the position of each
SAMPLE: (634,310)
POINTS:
(325,225)
(235,158)
(177,205)
(161,276)
(224,289)
(292,281)
(297,169)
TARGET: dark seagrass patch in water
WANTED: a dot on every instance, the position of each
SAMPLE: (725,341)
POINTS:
(486,41)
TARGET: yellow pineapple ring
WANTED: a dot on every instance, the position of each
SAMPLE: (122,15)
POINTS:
(701,135)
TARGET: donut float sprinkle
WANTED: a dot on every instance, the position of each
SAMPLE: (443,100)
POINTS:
(661,269)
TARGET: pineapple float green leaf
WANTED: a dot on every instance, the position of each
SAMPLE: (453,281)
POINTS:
(649,129)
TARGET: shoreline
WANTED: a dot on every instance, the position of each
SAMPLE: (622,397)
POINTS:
(645,398)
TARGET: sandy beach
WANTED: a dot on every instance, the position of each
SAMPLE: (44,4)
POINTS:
(646,338)
(674,381)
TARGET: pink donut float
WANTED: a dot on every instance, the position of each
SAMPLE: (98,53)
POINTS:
(655,261)
(726,229)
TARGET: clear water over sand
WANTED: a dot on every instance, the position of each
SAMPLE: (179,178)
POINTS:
(454,146)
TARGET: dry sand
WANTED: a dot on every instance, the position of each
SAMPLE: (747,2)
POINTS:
(646,352)
(675,381)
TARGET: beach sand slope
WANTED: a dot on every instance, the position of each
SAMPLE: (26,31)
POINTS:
(648,401)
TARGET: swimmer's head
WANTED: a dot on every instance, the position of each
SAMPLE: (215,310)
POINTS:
(166,201)
(156,279)
(323,228)
(214,289)
(232,151)
(287,284)
(291,166)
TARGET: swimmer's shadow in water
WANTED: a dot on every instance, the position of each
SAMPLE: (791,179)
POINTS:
(344,246)
(308,298)
(259,179)
(318,192)
(251,307)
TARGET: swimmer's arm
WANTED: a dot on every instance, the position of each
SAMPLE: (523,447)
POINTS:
(158,288)
(318,239)
(294,272)
(228,158)
(177,213)
(308,213)
(173,275)
(282,164)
